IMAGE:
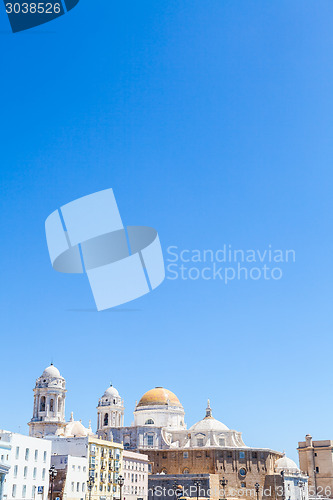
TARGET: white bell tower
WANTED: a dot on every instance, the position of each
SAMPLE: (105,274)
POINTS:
(49,404)
(110,412)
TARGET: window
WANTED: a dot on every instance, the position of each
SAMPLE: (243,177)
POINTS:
(24,491)
(43,474)
(34,475)
(25,472)
(78,487)
(243,485)
(84,487)
(221,442)
(27,453)
(51,404)
(42,403)
(317,469)
(73,467)
(17,452)
(150,440)
(186,471)
(254,455)
(33,491)
(200,442)
(14,491)
(84,469)
(36,455)
(229,454)
(15,471)
(72,486)
(44,457)
(242,472)
(106,419)
(150,421)
(242,454)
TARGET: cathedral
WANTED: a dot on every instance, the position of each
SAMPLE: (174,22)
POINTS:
(159,423)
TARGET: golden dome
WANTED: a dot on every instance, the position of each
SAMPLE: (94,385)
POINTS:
(158,397)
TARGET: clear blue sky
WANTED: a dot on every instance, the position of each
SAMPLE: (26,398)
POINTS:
(212,121)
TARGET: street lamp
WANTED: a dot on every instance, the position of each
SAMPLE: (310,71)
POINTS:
(223,483)
(257,486)
(90,484)
(121,484)
(301,487)
(53,474)
(197,485)
(283,486)
(177,489)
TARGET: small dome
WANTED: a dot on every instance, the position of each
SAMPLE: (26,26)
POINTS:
(111,392)
(286,464)
(208,424)
(51,371)
(76,429)
(159,397)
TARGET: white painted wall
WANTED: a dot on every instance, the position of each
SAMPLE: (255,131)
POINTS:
(135,473)
(76,476)
(29,460)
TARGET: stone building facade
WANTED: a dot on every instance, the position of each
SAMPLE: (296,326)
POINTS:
(316,460)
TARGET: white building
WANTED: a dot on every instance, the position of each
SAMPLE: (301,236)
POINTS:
(135,473)
(29,461)
(294,482)
(4,464)
(73,472)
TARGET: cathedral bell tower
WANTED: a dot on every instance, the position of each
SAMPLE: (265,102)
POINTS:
(49,404)
(110,413)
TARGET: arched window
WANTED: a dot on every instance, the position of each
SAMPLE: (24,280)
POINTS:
(150,421)
(42,403)
(106,419)
(164,471)
(51,404)
(59,404)
(186,471)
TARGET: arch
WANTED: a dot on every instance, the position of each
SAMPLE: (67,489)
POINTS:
(106,419)
(186,470)
(59,405)
(164,471)
(51,404)
(42,403)
(150,421)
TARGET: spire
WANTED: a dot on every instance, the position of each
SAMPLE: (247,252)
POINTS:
(90,425)
(72,417)
(208,409)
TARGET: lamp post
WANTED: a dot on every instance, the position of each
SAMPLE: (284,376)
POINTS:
(177,489)
(223,483)
(197,485)
(90,484)
(257,486)
(53,474)
(121,484)
(283,489)
(301,488)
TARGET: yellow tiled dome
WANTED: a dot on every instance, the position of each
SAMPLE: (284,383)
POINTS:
(158,397)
